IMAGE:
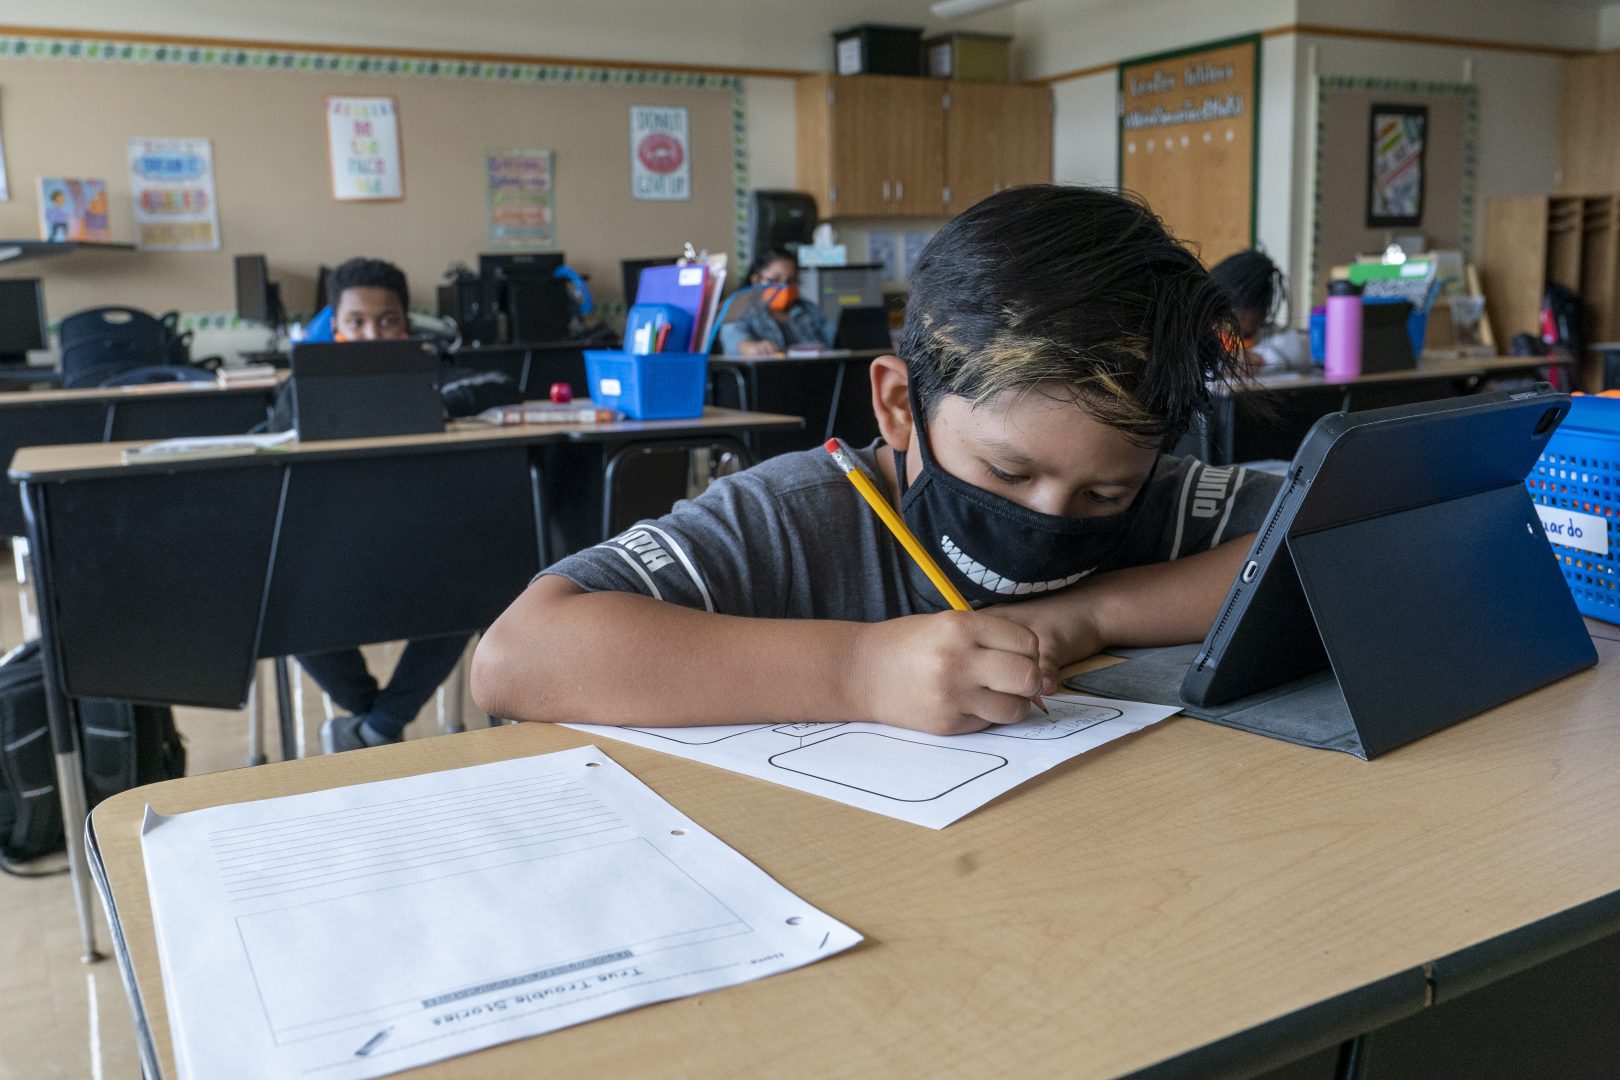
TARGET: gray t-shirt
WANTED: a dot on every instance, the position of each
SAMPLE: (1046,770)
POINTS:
(792,538)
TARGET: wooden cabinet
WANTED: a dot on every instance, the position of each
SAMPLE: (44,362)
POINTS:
(872,145)
(875,146)
(1573,240)
(996,136)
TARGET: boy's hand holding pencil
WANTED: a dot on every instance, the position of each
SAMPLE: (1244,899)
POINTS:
(948,673)
(979,660)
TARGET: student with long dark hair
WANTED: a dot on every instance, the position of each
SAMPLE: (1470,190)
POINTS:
(1257,290)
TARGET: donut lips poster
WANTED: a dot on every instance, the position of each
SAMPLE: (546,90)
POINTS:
(660,153)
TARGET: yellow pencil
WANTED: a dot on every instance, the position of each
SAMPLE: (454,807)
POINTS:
(902,532)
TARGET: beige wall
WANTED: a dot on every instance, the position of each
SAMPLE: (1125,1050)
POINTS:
(273,182)
(732,33)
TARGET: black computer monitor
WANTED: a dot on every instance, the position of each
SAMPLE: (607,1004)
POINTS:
(258,299)
(323,288)
(781,219)
(22,319)
(506,264)
(632,268)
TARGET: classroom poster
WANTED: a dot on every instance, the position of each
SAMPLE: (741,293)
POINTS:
(172,184)
(1188,128)
(1395,166)
(363,143)
(521,205)
(660,153)
(73,210)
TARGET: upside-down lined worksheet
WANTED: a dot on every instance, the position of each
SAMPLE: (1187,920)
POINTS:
(355,932)
(929,780)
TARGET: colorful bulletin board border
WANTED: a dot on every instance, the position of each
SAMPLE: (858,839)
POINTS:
(315,60)
(1327,84)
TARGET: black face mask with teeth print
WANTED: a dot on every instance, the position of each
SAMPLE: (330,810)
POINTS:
(995,550)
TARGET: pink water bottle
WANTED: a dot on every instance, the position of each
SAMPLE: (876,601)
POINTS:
(1343,331)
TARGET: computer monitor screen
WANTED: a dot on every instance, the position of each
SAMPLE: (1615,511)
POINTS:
(254,302)
(632,268)
(510,264)
(781,219)
(22,318)
(323,288)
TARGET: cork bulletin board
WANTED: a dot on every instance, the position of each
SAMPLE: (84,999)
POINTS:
(1188,140)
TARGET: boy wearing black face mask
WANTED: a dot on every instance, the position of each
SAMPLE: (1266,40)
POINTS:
(1056,340)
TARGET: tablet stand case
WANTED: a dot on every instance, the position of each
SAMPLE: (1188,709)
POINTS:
(1427,616)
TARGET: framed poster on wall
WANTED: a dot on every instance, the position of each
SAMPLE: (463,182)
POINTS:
(1188,140)
(1396,138)
(362,138)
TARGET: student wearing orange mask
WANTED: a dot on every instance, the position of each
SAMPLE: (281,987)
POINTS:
(779,317)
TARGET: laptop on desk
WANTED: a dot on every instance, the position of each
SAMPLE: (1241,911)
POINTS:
(363,389)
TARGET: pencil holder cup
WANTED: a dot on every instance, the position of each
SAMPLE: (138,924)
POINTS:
(658,386)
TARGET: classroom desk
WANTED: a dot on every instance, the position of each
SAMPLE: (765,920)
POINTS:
(1268,416)
(167,581)
(159,411)
(833,393)
(1191,900)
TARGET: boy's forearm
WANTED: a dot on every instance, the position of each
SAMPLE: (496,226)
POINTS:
(616,658)
(1170,603)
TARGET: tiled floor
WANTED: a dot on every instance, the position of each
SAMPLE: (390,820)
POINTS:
(61,1018)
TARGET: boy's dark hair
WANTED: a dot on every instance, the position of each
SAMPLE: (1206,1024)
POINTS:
(1252,283)
(768,256)
(1070,285)
(363,273)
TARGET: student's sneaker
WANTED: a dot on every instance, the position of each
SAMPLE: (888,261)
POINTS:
(342,733)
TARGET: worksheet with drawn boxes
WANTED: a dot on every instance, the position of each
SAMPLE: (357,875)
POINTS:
(929,780)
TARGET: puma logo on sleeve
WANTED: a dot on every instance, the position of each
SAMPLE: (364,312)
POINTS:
(1209,492)
(648,549)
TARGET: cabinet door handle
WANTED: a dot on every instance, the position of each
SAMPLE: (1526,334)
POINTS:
(899,191)
(886,191)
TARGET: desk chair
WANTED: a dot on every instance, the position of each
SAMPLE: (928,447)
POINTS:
(643,480)
(158,373)
(1256,425)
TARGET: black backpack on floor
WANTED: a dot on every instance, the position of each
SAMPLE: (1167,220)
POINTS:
(122,745)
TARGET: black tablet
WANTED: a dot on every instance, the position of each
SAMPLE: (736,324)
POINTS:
(362,389)
(1384,513)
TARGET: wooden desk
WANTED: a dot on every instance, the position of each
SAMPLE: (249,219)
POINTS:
(170,410)
(832,392)
(166,581)
(1269,416)
(1192,897)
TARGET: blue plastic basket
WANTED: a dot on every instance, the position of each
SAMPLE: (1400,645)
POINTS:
(1576,486)
(661,386)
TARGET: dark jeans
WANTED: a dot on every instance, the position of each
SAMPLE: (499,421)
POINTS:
(425,664)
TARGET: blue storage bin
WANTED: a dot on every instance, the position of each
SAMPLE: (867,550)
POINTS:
(659,386)
(1576,486)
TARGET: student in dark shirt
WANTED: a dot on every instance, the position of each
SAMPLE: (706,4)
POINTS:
(372,304)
